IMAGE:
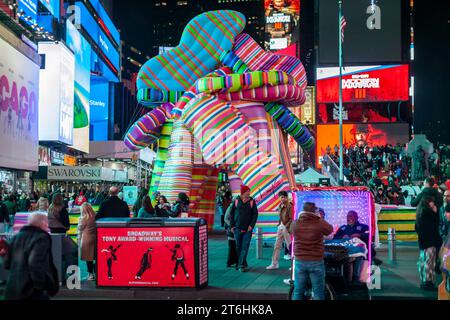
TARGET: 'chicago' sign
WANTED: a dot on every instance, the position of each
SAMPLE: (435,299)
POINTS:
(74,173)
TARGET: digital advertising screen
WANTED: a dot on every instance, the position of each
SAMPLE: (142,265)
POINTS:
(82,50)
(105,21)
(29,9)
(364,112)
(282,24)
(98,36)
(19,109)
(375,134)
(372,34)
(364,84)
(56,93)
(53,6)
(99,109)
(146,257)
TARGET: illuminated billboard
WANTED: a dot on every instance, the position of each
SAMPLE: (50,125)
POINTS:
(364,84)
(282,24)
(19,90)
(53,6)
(56,93)
(105,21)
(99,113)
(375,134)
(28,10)
(373,33)
(82,50)
(364,112)
(94,30)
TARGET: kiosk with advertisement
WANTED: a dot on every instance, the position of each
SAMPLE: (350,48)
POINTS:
(156,252)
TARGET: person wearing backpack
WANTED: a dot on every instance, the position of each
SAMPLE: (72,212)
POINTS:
(232,257)
(243,217)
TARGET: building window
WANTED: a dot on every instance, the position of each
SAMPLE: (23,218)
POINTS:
(182,3)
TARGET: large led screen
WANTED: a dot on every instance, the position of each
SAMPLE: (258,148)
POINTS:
(282,23)
(28,8)
(375,134)
(56,93)
(372,33)
(82,50)
(99,105)
(364,84)
(19,97)
(53,6)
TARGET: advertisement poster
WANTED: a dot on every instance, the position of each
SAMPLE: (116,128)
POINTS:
(29,9)
(373,33)
(282,23)
(56,93)
(99,109)
(130,194)
(364,112)
(19,96)
(364,84)
(44,156)
(377,134)
(146,257)
(52,6)
(82,51)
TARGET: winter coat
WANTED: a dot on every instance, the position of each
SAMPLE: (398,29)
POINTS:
(145,214)
(113,207)
(86,238)
(432,192)
(30,261)
(4,216)
(427,227)
(58,222)
(243,215)
(309,231)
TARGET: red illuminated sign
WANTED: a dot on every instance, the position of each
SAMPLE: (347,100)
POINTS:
(364,84)
(148,257)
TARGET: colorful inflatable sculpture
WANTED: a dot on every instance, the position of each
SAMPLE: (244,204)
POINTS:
(220,102)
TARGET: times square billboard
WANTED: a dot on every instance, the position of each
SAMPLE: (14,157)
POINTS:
(282,19)
(373,33)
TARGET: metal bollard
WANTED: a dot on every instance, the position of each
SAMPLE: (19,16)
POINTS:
(259,243)
(392,246)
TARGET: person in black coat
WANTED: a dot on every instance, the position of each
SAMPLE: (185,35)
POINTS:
(429,191)
(113,207)
(427,228)
(4,215)
(33,275)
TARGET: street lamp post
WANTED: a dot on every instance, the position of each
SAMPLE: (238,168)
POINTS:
(341,151)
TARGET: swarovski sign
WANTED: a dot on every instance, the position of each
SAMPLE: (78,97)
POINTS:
(74,173)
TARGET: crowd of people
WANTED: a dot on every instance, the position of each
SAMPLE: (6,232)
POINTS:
(51,216)
(386,169)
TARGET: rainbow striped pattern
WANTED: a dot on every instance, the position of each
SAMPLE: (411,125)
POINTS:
(402,218)
(177,175)
(161,157)
(203,40)
(240,82)
(252,55)
(226,139)
(203,192)
(147,129)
